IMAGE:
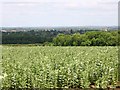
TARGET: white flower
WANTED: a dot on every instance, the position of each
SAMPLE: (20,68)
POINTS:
(1,77)
(5,75)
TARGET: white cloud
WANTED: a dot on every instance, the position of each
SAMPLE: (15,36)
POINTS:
(53,10)
(67,3)
(0,14)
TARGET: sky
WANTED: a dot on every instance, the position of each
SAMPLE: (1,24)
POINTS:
(36,13)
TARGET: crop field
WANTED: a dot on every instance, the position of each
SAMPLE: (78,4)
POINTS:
(59,67)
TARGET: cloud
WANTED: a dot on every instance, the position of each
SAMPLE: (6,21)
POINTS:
(55,11)
(65,3)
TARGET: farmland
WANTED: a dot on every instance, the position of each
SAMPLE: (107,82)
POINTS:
(59,67)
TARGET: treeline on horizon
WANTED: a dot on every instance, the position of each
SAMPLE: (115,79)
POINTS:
(63,38)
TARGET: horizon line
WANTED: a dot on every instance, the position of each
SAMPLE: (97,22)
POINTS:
(68,26)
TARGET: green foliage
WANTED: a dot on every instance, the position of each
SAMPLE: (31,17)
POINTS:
(47,44)
(59,67)
(63,38)
(29,37)
(93,38)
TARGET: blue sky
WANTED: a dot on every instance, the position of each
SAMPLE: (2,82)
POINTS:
(59,13)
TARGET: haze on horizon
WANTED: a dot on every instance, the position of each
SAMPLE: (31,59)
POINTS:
(35,13)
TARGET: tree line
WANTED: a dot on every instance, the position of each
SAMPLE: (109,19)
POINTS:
(33,37)
(63,38)
(87,39)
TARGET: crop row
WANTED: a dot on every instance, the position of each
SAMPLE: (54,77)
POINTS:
(59,67)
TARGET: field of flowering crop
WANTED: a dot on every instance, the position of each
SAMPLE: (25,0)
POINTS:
(59,67)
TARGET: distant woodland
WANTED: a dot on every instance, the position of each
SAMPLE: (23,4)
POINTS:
(62,38)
